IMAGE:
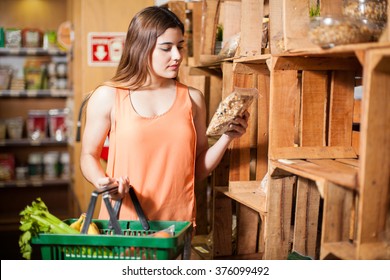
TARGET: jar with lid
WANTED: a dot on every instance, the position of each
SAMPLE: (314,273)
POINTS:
(372,10)
(57,124)
(37,124)
(65,165)
(35,166)
(51,165)
(328,32)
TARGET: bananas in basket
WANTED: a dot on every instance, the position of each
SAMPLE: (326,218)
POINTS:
(78,225)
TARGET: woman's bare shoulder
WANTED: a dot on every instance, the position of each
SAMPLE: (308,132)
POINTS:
(198,102)
(102,97)
(196,94)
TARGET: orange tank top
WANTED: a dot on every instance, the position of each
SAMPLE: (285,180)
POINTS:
(158,155)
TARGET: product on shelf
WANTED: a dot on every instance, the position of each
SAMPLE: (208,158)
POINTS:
(328,32)
(35,166)
(372,10)
(50,40)
(17,84)
(15,127)
(21,173)
(3,129)
(37,124)
(34,73)
(51,165)
(5,76)
(57,124)
(2,37)
(65,165)
(64,36)
(7,167)
(13,38)
(32,38)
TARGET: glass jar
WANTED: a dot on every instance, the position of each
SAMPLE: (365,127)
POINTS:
(37,124)
(328,32)
(65,165)
(35,166)
(51,165)
(372,10)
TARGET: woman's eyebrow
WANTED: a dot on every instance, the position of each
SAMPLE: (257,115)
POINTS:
(170,43)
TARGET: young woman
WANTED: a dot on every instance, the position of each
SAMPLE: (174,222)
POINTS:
(156,125)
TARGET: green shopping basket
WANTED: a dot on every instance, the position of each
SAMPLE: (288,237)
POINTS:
(119,239)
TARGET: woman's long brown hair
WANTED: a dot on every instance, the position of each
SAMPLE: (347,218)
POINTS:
(134,66)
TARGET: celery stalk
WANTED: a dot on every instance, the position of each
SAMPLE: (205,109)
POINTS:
(36,219)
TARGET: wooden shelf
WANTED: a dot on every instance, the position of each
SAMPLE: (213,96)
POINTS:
(31,51)
(247,193)
(342,250)
(341,172)
(344,50)
(25,142)
(40,93)
(253,59)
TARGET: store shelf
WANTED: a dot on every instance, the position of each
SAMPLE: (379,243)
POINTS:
(31,51)
(338,172)
(340,51)
(25,142)
(34,183)
(253,59)
(254,199)
(60,93)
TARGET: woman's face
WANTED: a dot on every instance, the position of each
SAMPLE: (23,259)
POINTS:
(168,53)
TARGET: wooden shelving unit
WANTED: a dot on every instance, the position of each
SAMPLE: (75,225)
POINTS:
(325,153)
(44,93)
(17,194)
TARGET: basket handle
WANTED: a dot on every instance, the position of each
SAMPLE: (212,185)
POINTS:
(91,208)
(114,212)
(141,215)
(138,209)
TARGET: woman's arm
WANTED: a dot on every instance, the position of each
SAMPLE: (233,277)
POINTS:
(98,123)
(208,158)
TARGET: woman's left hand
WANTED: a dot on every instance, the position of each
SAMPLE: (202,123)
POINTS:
(238,126)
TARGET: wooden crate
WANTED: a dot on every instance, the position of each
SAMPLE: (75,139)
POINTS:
(246,166)
(312,139)
(314,151)
(190,13)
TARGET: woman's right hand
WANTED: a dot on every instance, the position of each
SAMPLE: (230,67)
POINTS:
(123,184)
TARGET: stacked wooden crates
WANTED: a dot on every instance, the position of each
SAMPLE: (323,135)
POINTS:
(328,186)
(332,198)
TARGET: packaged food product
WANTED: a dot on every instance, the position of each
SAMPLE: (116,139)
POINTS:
(15,128)
(230,47)
(51,165)
(37,124)
(232,106)
(35,166)
(33,73)
(5,76)
(2,38)
(65,36)
(3,128)
(65,165)
(50,40)
(7,167)
(32,38)
(21,173)
(13,38)
(57,124)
